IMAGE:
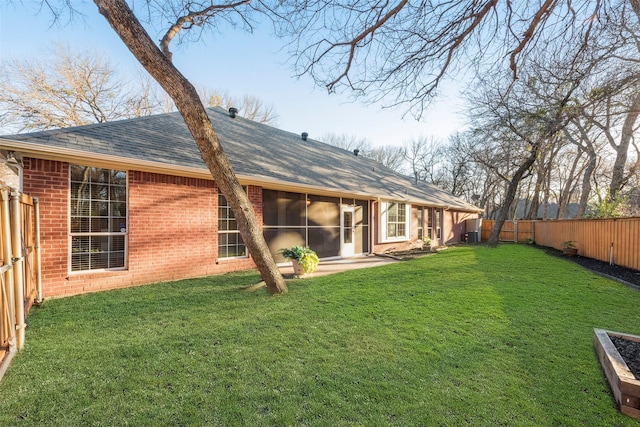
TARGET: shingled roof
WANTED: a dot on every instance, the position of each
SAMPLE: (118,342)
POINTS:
(259,154)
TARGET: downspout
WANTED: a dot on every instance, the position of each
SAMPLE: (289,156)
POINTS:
(372,228)
(442,230)
(38,266)
(18,260)
(7,275)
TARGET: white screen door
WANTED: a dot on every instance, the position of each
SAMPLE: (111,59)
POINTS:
(347,231)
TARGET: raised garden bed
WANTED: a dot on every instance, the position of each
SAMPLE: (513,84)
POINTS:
(625,386)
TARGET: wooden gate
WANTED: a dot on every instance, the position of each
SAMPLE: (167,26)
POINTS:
(20,280)
(512,231)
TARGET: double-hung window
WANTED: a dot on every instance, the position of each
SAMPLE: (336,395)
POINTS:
(395,221)
(98,227)
(420,222)
(430,223)
(230,244)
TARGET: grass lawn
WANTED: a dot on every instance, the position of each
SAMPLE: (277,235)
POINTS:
(470,336)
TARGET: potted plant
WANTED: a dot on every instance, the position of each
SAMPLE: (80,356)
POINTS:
(426,243)
(303,259)
(569,247)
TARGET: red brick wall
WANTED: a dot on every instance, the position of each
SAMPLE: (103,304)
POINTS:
(455,226)
(453,229)
(49,182)
(172,230)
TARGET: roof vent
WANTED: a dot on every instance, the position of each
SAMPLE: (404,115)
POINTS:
(304,135)
(355,152)
(232,112)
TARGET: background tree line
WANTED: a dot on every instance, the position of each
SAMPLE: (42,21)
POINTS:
(62,87)
(558,141)
(575,172)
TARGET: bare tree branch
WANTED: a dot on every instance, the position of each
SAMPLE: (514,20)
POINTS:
(194,18)
(66,88)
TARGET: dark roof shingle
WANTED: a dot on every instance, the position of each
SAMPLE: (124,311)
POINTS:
(255,150)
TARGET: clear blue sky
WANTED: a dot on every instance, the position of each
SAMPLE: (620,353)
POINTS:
(238,64)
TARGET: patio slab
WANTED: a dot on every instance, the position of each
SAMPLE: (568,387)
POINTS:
(335,266)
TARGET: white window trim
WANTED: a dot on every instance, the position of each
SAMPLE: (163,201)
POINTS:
(383,223)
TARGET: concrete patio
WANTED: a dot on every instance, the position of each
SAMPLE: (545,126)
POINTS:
(338,265)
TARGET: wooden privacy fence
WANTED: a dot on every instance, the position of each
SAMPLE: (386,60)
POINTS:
(20,280)
(512,231)
(615,240)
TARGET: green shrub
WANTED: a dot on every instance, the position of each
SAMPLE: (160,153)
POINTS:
(306,257)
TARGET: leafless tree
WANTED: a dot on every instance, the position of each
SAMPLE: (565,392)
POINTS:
(458,169)
(391,156)
(580,133)
(66,88)
(248,106)
(525,126)
(348,142)
(424,156)
(401,52)
(619,124)
(156,59)
(610,102)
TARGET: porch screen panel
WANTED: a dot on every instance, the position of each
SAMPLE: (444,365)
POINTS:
(324,211)
(98,223)
(324,225)
(283,208)
(292,219)
(362,226)
(278,238)
(325,241)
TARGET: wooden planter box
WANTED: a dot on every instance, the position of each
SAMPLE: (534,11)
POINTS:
(624,385)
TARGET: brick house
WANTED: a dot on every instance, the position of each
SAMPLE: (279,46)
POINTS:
(131,202)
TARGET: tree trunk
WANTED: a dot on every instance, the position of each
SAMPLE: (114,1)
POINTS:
(534,205)
(127,26)
(569,188)
(546,194)
(586,182)
(618,178)
(510,196)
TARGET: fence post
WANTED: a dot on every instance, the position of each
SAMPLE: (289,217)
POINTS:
(18,261)
(8,261)
(38,263)
(515,231)
(533,230)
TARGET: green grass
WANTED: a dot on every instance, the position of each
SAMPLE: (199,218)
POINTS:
(470,336)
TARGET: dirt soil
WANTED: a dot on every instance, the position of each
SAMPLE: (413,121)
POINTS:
(630,352)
